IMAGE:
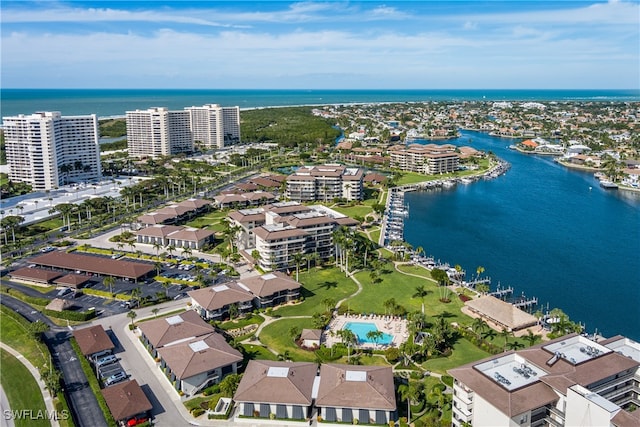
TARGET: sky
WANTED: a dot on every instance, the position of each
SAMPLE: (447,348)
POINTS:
(320,45)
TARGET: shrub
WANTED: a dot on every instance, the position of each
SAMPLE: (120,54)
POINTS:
(214,389)
(448,380)
(392,354)
(196,412)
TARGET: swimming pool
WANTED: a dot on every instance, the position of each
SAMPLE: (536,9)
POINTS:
(360,329)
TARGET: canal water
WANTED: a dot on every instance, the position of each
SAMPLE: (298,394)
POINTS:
(547,231)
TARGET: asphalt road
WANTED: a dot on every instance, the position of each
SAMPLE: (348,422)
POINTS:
(83,403)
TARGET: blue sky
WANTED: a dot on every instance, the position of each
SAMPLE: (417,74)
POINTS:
(314,45)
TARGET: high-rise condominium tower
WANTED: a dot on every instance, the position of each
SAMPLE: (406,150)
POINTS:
(47,150)
(214,126)
(158,132)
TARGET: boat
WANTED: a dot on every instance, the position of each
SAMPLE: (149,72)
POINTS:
(448,184)
(608,185)
(466,181)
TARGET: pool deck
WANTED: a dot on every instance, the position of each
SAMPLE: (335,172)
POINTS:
(388,324)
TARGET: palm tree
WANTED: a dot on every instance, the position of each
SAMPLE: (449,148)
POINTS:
(132,315)
(165,286)
(186,250)
(479,271)
(421,292)
(329,303)
(478,326)
(171,249)
(506,333)
(109,281)
(374,336)
(531,338)
(135,294)
(348,338)
(157,246)
(298,258)
(410,393)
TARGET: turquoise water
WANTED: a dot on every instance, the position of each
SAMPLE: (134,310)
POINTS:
(115,102)
(360,329)
(547,231)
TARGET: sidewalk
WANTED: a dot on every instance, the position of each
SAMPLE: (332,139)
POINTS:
(48,402)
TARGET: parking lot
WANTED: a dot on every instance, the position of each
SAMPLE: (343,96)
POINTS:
(150,289)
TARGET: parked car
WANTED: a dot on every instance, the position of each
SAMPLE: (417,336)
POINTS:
(136,421)
(107,360)
(115,378)
(47,249)
(64,291)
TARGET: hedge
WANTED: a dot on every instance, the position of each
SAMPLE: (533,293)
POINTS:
(106,294)
(26,298)
(93,383)
(79,316)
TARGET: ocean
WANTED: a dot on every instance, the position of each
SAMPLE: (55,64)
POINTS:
(547,231)
(115,102)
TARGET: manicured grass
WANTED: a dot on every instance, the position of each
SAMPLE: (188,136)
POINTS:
(353,211)
(258,352)
(412,178)
(463,352)
(14,333)
(210,221)
(375,235)
(415,269)
(401,287)
(317,285)
(277,337)
(22,390)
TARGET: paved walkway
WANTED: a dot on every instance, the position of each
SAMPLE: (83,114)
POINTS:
(48,402)
(4,406)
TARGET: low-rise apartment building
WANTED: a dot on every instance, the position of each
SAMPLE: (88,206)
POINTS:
(569,381)
(325,183)
(191,354)
(426,159)
(280,230)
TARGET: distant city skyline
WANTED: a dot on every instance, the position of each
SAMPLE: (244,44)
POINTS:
(321,45)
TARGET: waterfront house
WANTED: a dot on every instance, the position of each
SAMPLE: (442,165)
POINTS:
(278,390)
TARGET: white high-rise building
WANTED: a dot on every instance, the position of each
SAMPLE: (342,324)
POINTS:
(47,150)
(215,126)
(231,121)
(158,132)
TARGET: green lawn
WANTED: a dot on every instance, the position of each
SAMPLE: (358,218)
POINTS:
(463,352)
(317,285)
(22,390)
(401,287)
(211,221)
(277,337)
(14,334)
(258,352)
(353,211)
